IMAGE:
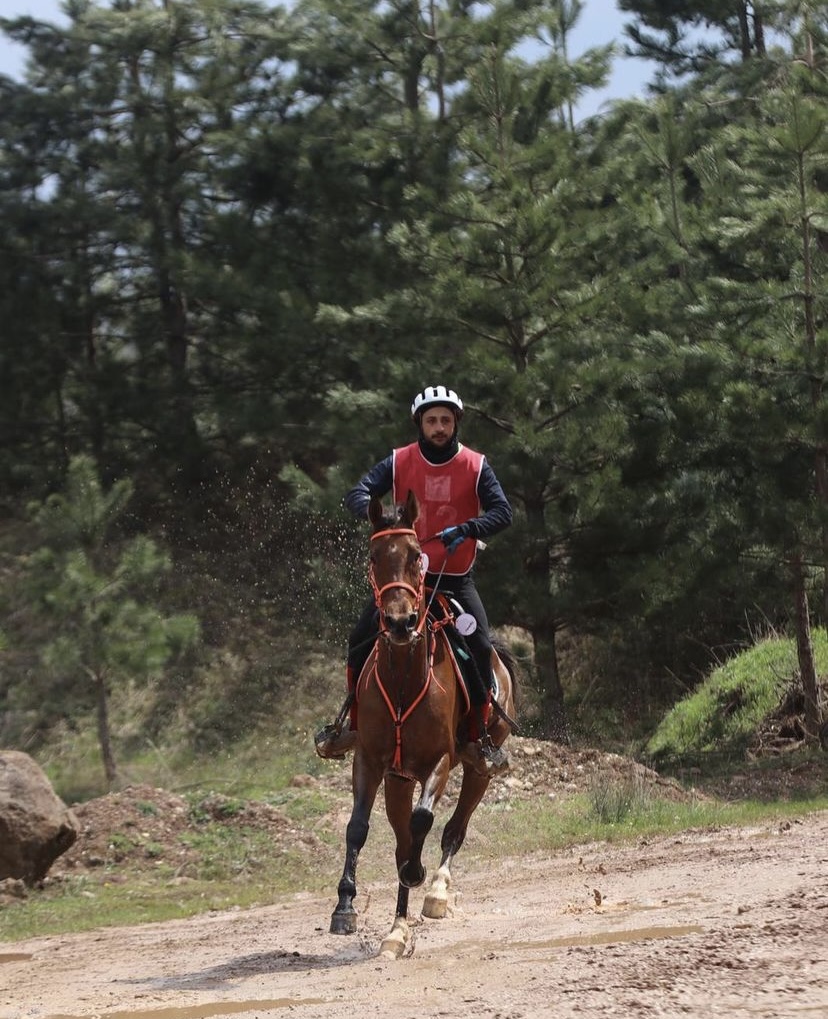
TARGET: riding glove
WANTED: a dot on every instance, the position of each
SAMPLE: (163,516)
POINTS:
(453,537)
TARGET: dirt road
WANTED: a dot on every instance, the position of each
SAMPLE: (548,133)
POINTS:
(727,923)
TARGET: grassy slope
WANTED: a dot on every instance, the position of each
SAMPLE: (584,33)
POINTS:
(729,708)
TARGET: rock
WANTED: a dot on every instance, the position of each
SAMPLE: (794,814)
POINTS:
(303,781)
(36,826)
(12,890)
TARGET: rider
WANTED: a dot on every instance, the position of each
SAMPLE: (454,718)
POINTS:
(461,501)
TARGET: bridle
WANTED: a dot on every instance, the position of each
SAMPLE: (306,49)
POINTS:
(417,593)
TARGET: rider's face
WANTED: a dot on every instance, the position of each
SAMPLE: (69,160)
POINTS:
(437,425)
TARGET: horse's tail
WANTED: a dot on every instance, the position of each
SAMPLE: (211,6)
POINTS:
(509,660)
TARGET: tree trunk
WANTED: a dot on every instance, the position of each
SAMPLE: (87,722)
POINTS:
(759,32)
(744,32)
(542,624)
(104,734)
(805,651)
(552,696)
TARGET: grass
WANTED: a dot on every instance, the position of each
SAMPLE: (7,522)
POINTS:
(241,868)
(618,814)
(83,904)
(235,866)
(612,802)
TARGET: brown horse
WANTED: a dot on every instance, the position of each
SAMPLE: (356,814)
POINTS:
(410,706)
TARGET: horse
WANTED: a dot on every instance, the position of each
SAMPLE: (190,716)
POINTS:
(411,704)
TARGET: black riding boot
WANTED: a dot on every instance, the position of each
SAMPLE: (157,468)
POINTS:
(493,760)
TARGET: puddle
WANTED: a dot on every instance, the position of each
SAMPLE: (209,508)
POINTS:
(586,940)
(617,937)
(14,957)
(689,899)
(203,1011)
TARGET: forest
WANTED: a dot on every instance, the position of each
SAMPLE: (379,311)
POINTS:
(239,237)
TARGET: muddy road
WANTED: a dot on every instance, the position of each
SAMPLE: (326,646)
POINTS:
(732,923)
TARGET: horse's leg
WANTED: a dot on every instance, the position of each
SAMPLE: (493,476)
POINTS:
(365,785)
(411,828)
(399,796)
(472,790)
(412,872)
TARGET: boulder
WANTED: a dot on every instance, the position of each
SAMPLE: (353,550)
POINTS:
(36,826)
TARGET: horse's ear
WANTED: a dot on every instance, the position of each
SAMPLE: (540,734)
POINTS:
(412,508)
(375,512)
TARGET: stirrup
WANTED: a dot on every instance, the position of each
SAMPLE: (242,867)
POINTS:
(333,742)
(326,736)
(333,731)
(326,732)
(495,759)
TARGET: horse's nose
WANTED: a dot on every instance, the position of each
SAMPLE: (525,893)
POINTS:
(400,626)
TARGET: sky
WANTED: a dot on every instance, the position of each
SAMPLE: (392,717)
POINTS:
(600,23)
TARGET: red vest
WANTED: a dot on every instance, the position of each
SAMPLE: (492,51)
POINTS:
(447,494)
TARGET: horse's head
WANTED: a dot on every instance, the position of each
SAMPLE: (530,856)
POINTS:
(396,570)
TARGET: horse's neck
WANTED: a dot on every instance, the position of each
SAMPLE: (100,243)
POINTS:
(396,662)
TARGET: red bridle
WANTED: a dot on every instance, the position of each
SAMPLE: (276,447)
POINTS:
(416,593)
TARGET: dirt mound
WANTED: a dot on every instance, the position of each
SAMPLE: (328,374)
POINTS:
(540,767)
(785,729)
(143,826)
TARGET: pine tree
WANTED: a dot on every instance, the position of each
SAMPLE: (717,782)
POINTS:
(766,182)
(93,594)
(690,36)
(493,298)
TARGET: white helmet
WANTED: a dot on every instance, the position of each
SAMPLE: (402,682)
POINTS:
(437,396)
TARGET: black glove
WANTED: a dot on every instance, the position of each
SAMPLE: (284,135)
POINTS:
(453,537)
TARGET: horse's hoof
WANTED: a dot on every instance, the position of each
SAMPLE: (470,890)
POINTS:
(411,877)
(394,945)
(344,923)
(435,907)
